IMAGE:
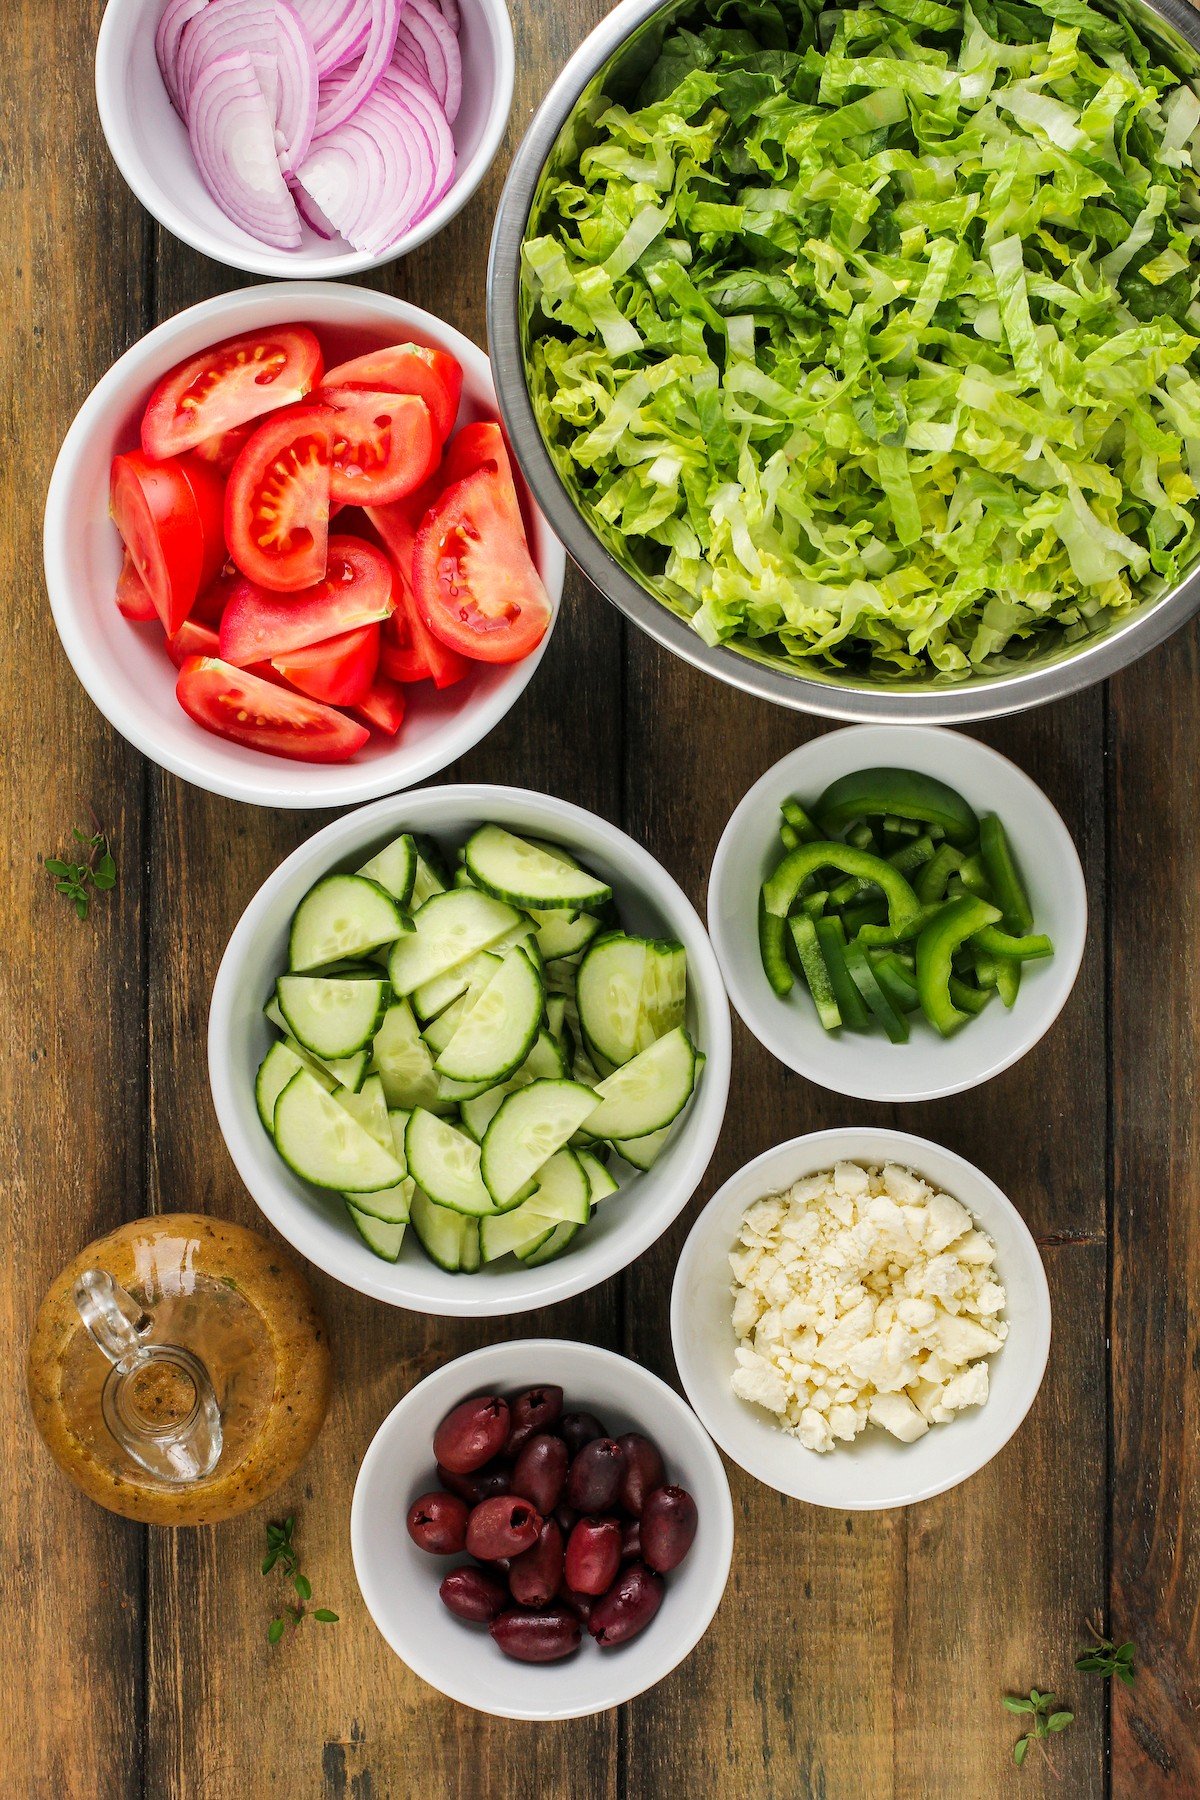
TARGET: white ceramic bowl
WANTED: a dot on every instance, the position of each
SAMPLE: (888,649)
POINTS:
(875,1471)
(400,1583)
(150,145)
(866,1065)
(125,667)
(316,1224)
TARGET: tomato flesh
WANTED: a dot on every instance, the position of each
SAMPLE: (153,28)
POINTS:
(208,491)
(192,639)
(414,646)
(155,510)
(223,450)
(383,705)
(474,581)
(383,445)
(237,705)
(339,671)
(225,386)
(257,626)
(277,501)
(133,596)
(434,375)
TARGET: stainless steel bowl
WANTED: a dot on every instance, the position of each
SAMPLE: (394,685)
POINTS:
(611,62)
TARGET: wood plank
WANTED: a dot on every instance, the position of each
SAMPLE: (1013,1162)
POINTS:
(1155,1586)
(71,1081)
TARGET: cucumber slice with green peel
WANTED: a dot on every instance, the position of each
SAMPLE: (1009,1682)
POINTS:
(343,915)
(530,1125)
(664,992)
(383,1237)
(322,1143)
(433,876)
(453,1093)
(556,1020)
(274,1072)
(647,1093)
(402,1059)
(448,928)
(444,1163)
(545,1062)
(462,878)
(497,1030)
(441,1028)
(395,869)
(562,976)
(608,995)
(432,998)
(563,1189)
(344,1071)
(550,1247)
(439,1231)
(470,1253)
(518,1229)
(369,1107)
(438,1032)
(559,934)
(554,850)
(524,874)
(642,1153)
(389,1205)
(331,1017)
(601,1182)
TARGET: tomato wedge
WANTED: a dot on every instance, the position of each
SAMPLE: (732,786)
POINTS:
(223,387)
(133,596)
(215,597)
(410,650)
(339,671)
(474,581)
(383,705)
(383,445)
(192,639)
(223,450)
(155,510)
(408,369)
(208,491)
(277,501)
(240,706)
(477,446)
(356,590)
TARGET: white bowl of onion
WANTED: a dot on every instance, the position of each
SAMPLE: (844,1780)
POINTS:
(335,135)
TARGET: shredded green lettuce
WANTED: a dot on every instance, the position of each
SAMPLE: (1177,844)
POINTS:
(869,337)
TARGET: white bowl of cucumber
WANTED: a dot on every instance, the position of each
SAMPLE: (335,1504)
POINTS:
(469,1050)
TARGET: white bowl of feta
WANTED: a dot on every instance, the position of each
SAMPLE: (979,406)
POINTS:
(887,1325)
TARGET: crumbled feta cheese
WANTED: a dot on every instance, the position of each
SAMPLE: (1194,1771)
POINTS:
(863,1296)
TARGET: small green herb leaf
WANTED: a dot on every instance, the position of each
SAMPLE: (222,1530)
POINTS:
(323,1615)
(275,1630)
(73,879)
(303,1587)
(1020,1750)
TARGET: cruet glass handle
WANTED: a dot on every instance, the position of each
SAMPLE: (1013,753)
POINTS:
(158,1401)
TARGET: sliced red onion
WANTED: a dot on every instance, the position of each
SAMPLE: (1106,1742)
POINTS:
(380,171)
(224,28)
(233,140)
(296,110)
(408,59)
(338,29)
(337,103)
(177,15)
(449,11)
(438,46)
(311,213)
(431,121)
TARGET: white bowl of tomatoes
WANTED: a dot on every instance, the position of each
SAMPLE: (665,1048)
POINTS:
(286,551)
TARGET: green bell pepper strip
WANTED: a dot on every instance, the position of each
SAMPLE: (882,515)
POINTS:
(930,884)
(1008,890)
(816,972)
(861,836)
(848,890)
(897,794)
(987,968)
(974,878)
(1008,981)
(886,937)
(914,855)
(870,912)
(866,981)
(814,904)
(832,940)
(789,837)
(969,999)
(957,922)
(896,981)
(1012,949)
(771,947)
(781,888)
(795,816)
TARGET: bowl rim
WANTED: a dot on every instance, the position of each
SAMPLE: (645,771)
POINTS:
(1068,672)
(301,264)
(909,1147)
(550,1282)
(325,785)
(720,1554)
(736,836)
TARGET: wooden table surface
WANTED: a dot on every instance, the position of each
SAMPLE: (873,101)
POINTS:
(854,1657)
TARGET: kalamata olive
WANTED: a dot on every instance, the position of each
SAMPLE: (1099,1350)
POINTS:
(540,1472)
(566,1516)
(579,1428)
(534,1410)
(668,1526)
(502,1526)
(580,1604)
(474,1594)
(595,1476)
(628,1607)
(535,1574)
(593,1556)
(643,1470)
(438,1523)
(472,1434)
(537,1636)
(480,1485)
(631,1540)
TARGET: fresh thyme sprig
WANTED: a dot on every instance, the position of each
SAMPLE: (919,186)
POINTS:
(282,1551)
(97,870)
(1045,1720)
(1108,1659)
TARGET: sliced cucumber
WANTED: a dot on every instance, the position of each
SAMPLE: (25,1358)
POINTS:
(563,1189)
(432,998)
(562,975)
(344,1071)
(470,1252)
(274,1072)
(448,928)
(441,1029)
(545,1062)
(601,1183)
(550,1247)
(462,878)
(647,1093)
(383,1237)
(318,1139)
(560,934)
(530,1125)
(369,1107)
(497,1031)
(401,1058)
(608,995)
(395,869)
(432,875)
(391,1205)
(664,992)
(524,874)
(332,1017)
(444,1163)
(519,1229)
(343,915)
(439,1231)
(644,1152)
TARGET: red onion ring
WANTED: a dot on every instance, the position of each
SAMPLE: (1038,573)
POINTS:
(296,112)
(338,29)
(335,105)
(177,16)
(425,27)
(233,140)
(224,28)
